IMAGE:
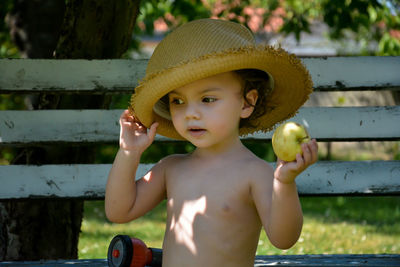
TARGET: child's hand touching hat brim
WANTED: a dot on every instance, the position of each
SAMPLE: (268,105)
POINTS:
(134,136)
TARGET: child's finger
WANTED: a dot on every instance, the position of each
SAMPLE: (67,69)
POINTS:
(125,118)
(300,161)
(137,121)
(125,114)
(306,154)
(140,127)
(314,150)
(280,161)
(152,131)
(126,124)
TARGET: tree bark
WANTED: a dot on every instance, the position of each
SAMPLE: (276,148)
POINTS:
(49,229)
(35,26)
(109,24)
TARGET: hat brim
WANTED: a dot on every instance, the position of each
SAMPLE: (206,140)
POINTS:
(292,85)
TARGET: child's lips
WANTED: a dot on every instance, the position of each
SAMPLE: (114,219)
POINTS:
(196,131)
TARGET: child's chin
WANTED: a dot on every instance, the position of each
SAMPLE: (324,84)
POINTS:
(199,143)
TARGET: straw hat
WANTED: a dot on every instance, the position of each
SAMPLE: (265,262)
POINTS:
(206,47)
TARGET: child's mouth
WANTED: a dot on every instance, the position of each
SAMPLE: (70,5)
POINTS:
(196,132)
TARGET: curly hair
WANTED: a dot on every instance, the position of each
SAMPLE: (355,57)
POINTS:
(260,81)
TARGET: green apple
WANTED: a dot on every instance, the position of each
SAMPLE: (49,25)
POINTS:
(287,140)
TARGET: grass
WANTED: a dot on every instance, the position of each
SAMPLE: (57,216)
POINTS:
(331,225)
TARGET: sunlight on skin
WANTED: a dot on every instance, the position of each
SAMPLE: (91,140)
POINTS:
(183,227)
(147,177)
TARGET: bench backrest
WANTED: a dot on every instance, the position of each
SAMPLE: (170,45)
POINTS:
(30,127)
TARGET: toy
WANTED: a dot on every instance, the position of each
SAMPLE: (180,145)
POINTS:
(132,252)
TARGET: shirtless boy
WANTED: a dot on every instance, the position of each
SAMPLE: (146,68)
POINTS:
(221,195)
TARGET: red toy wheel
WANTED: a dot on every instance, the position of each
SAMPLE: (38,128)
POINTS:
(120,251)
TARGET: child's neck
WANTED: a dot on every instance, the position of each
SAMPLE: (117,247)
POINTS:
(224,149)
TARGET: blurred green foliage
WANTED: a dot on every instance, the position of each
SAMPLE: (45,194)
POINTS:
(366,21)
(151,10)
(7,48)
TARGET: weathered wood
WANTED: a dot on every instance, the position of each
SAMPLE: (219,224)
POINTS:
(351,73)
(383,260)
(331,73)
(75,181)
(59,126)
(361,123)
(57,263)
(348,123)
(88,181)
(70,75)
(378,260)
(350,177)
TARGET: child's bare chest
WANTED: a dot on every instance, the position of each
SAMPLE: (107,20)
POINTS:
(210,210)
(218,191)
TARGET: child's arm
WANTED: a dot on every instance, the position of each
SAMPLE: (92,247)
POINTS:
(277,199)
(126,199)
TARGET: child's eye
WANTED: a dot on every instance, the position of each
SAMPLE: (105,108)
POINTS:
(209,99)
(176,101)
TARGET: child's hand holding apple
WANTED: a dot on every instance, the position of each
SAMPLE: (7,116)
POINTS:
(295,152)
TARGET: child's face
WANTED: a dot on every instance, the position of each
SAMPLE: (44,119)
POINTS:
(207,112)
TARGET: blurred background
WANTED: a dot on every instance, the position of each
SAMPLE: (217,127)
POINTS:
(307,28)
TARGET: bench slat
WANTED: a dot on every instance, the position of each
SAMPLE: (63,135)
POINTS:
(88,181)
(331,73)
(354,73)
(361,123)
(70,75)
(383,260)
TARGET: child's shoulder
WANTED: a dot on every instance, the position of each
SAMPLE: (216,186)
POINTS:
(250,161)
(257,167)
(172,160)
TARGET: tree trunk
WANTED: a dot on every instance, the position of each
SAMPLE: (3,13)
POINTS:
(49,229)
(35,26)
(97,29)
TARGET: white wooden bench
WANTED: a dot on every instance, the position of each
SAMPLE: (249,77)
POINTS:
(87,181)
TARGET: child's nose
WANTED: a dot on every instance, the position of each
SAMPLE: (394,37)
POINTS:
(192,112)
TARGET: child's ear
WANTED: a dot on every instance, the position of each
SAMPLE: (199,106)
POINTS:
(248,106)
